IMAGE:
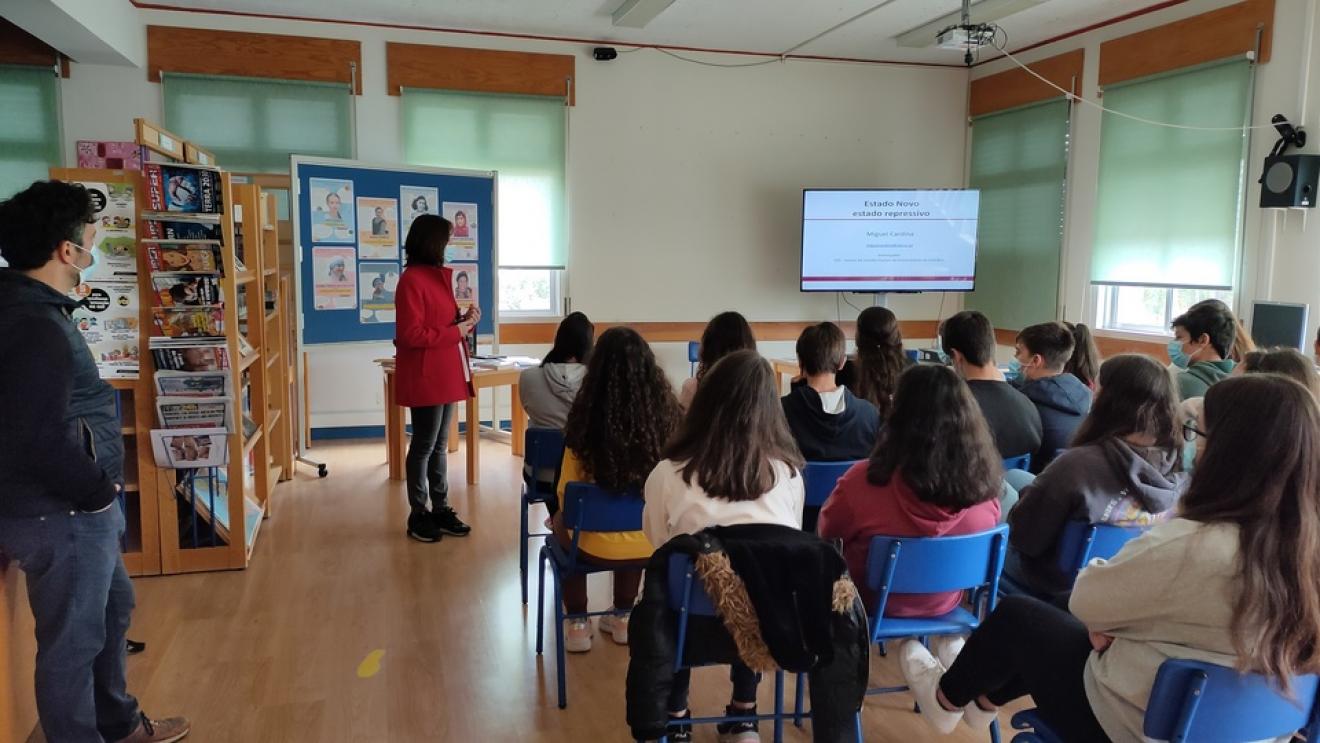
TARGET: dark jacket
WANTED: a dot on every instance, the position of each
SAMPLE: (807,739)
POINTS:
(61,447)
(1013,420)
(1062,401)
(1107,482)
(806,617)
(830,437)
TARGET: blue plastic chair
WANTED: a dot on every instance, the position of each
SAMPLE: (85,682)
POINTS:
(819,478)
(971,562)
(1018,463)
(1205,703)
(587,508)
(688,597)
(1079,543)
(694,355)
(543,449)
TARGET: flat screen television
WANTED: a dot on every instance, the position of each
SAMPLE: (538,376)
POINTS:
(1278,324)
(889,240)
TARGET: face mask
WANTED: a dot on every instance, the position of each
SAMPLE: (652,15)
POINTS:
(1177,356)
(83,272)
(1014,370)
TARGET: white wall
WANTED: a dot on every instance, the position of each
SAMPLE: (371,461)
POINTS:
(684,181)
(1281,261)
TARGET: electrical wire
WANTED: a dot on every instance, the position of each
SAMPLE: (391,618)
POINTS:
(772,60)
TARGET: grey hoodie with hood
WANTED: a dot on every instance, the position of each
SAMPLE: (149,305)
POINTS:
(1106,482)
(547,392)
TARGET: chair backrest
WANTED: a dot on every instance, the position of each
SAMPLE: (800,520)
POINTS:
(588,507)
(935,564)
(819,478)
(694,352)
(1206,703)
(1018,463)
(1081,541)
(543,448)
(685,588)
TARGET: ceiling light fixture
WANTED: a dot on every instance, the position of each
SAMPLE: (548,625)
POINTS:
(638,13)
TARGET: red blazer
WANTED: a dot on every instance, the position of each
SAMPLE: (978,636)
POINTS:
(431,361)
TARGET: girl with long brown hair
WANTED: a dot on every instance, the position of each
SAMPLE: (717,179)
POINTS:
(725,333)
(873,376)
(1233,580)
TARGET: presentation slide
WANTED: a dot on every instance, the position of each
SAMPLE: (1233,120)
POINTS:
(889,241)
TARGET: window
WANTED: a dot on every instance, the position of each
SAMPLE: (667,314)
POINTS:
(521,137)
(30,136)
(253,125)
(1019,163)
(1170,203)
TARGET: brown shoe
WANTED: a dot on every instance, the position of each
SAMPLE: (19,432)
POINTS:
(158,731)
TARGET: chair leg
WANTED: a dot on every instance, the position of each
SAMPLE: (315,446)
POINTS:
(561,676)
(994,731)
(540,603)
(779,707)
(522,549)
(801,695)
(858,720)
(883,652)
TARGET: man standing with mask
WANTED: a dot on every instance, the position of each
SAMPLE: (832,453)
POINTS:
(61,468)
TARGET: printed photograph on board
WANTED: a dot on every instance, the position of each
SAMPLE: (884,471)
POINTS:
(332,207)
(465,284)
(379,238)
(377,283)
(463,240)
(333,272)
(415,201)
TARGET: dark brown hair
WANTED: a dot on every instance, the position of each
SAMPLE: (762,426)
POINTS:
(938,442)
(1053,341)
(1286,361)
(1212,318)
(623,414)
(573,340)
(1085,361)
(426,241)
(970,333)
(1137,396)
(725,333)
(821,349)
(1261,472)
(735,431)
(880,358)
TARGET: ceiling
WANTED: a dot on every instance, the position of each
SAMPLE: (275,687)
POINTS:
(751,25)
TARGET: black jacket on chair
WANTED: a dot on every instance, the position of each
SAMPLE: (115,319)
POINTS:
(807,618)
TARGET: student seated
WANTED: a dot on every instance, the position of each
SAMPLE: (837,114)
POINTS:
(935,473)
(1203,339)
(1040,355)
(1283,361)
(1232,581)
(547,391)
(1125,467)
(1085,361)
(827,421)
(725,333)
(969,340)
(873,374)
(622,417)
(732,462)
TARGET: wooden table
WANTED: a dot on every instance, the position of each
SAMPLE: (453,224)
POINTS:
(785,368)
(396,440)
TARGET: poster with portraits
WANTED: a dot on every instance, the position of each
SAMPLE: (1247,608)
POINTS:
(379,237)
(464,284)
(332,207)
(414,201)
(463,239)
(377,283)
(334,278)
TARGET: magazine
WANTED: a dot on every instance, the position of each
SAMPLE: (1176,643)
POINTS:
(193,384)
(195,356)
(180,229)
(189,322)
(189,448)
(183,255)
(186,289)
(182,188)
(192,412)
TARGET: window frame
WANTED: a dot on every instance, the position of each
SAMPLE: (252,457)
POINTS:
(557,282)
(1102,310)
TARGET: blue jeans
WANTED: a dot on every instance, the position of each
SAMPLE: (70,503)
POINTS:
(82,601)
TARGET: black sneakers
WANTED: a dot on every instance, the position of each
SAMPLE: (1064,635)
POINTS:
(680,733)
(422,528)
(738,732)
(447,522)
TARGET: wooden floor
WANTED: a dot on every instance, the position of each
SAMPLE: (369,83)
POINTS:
(274,653)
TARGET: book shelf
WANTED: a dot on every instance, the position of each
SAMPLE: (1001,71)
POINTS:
(134,399)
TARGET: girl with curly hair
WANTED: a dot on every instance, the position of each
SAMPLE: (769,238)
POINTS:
(621,418)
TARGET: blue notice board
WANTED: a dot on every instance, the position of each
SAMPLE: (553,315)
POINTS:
(351,223)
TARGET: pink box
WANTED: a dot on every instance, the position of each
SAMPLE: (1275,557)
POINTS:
(112,155)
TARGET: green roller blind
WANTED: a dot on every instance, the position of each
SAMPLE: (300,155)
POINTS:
(522,137)
(253,125)
(1169,199)
(30,128)
(1019,163)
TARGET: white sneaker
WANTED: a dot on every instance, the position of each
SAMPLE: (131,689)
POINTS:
(616,625)
(577,635)
(922,672)
(946,649)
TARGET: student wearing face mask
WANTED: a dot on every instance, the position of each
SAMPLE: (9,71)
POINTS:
(61,467)
(1039,356)
(1201,347)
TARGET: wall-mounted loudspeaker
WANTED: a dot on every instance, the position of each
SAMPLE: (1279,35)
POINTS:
(1289,181)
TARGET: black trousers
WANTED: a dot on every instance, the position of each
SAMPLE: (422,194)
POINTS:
(1028,646)
(427,461)
(744,679)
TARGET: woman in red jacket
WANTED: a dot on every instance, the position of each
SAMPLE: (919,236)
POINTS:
(431,373)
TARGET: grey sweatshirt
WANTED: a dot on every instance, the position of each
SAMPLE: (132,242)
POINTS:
(547,392)
(1107,482)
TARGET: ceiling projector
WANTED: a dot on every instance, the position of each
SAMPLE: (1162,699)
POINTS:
(966,37)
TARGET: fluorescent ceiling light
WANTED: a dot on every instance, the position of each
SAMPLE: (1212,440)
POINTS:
(984,11)
(638,13)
